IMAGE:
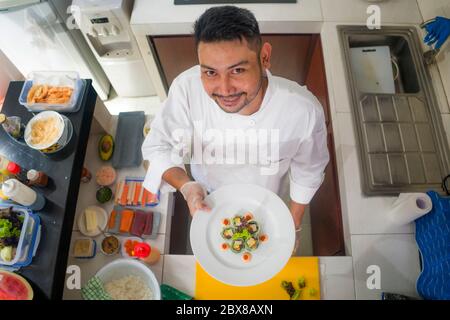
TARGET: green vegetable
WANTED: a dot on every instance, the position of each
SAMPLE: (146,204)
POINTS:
(6,253)
(242,235)
(106,147)
(312,292)
(301,282)
(7,230)
(289,287)
(104,194)
(296,295)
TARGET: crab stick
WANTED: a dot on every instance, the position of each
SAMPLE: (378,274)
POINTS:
(123,197)
(136,194)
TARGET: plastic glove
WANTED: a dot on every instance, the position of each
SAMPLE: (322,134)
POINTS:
(194,194)
(438,32)
(297,241)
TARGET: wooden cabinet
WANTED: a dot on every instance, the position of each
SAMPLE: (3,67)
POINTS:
(299,58)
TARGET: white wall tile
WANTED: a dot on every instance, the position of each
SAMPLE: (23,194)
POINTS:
(336,278)
(397,257)
(398,11)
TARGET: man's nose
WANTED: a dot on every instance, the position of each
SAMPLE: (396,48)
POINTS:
(225,86)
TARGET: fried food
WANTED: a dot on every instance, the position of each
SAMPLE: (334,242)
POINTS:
(47,94)
(45,131)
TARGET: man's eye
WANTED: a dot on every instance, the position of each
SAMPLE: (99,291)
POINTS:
(238,70)
(210,73)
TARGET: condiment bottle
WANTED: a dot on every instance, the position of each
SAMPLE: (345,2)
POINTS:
(85,175)
(4,173)
(147,254)
(12,125)
(22,194)
(17,171)
(37,178)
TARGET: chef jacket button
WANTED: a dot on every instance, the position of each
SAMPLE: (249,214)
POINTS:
(252,122)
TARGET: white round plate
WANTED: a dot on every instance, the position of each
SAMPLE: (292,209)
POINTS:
(102,220)
(274,219)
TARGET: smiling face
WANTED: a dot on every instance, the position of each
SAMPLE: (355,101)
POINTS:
(232,74)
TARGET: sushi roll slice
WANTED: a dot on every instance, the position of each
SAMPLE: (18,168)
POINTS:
(238,221)
(263,238)
(237,245)
(247,257)
(226,222)
(252,243)
(253,227)
(224,246)
(248,216)
(227,233)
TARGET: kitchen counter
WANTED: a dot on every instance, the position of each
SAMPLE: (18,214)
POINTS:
(47,270)
(336,276)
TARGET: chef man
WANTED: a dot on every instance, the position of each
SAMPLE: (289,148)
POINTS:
(235,122)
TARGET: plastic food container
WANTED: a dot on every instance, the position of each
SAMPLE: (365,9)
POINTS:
(54,79)
(28,241)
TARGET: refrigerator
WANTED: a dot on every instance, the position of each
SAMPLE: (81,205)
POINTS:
(39,35)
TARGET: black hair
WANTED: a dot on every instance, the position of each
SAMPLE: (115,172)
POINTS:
(227,23)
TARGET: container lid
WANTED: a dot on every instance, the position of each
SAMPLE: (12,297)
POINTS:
(13,167)
(8,187)
(32,174)
(142,250)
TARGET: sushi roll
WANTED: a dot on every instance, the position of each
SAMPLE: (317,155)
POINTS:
(227,233)
(238,221)
(247,257)
(226,222)
(237,245)
(224,246)
(253,227)
(248,216)
(252,243)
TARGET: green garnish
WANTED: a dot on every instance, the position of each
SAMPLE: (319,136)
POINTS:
(312,292)
(301,282)
(242,235)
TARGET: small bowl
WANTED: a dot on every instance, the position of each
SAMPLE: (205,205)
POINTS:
(114,252)
(59,140)
(123,249)
(125,267)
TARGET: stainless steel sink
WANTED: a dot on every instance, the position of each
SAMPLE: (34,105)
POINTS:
(401,140)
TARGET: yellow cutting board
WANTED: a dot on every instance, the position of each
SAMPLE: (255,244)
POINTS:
(208,288)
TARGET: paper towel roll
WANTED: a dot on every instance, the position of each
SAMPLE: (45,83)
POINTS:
(409,207)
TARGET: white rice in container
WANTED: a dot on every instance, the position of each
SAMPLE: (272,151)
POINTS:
(129,288)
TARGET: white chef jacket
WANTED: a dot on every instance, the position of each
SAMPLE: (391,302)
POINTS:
(288,109)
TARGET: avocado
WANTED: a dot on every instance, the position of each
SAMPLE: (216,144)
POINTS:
(106,147)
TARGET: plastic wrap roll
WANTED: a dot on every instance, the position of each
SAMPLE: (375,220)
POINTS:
(409,207)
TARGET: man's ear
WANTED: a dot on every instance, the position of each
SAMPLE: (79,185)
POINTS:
(266,52)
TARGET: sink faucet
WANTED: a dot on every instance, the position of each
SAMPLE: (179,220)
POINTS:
(438,31)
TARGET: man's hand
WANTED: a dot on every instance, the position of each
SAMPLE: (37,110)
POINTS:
(297,212)
(194,194)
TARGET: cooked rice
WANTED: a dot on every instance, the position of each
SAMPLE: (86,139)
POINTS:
(129,288)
